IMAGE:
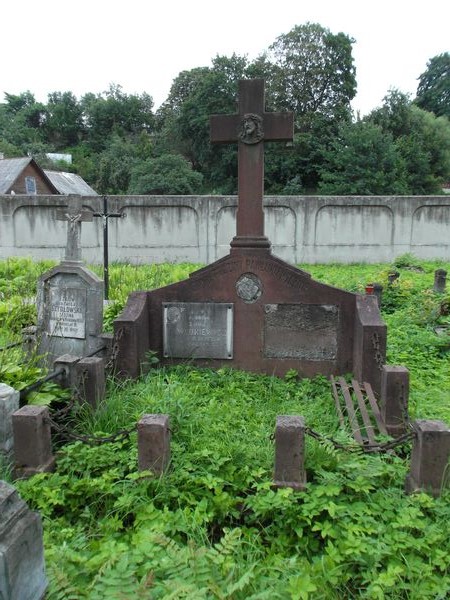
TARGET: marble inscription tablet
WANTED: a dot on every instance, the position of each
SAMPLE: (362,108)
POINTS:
(198,330)
(67,312)
(301,331)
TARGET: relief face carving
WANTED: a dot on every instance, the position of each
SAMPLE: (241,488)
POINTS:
(251,129)
(249,288)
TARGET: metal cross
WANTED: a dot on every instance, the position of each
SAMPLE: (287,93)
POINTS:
(250,128)
(105,216)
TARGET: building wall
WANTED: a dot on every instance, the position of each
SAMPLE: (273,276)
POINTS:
(317,229)
(19,187)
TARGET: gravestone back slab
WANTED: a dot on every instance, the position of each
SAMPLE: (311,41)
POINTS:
(70,311)
(281,319)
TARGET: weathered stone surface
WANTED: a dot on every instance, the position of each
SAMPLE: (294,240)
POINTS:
(32,441)
(430,457)
(9,403)
(281,284)
(198,330)
(369,342)
(70,311)
(68,362)
(301,331)
(290,452)
(153,443)
(22,569)
(440,281)
(91,381)
(394,398)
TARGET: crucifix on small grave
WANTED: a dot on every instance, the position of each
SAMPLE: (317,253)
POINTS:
(74,214)
(251,127)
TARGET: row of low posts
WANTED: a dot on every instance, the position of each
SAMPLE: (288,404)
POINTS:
(25,436)
(439,285)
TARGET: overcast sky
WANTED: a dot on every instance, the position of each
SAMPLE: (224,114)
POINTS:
(142,45)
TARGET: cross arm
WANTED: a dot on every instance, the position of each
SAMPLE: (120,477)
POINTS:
(224,128)
(279,126)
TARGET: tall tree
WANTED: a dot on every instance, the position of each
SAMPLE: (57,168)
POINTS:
(115,112)
(433,91)
(312,71)
(363,159)
(422,139)
(63,126)
(166,174)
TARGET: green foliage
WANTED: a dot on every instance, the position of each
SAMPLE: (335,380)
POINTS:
(213,526)
(362,160)
(422,141)
(312,71)
(433,91)
(167,174)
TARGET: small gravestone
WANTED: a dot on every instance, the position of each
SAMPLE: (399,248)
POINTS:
(9,403)
(440,281)
(251,310)
(70,298)
(22,569)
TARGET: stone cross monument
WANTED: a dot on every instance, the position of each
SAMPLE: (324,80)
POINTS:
(74,215)
(70,297)
(250,128)
(251,310)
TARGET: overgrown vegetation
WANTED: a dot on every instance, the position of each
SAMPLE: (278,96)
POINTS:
(213,526)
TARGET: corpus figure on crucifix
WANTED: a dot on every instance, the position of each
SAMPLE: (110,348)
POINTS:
(74,215)
(250,128)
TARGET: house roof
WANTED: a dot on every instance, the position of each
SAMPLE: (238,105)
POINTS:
(10,169)
(62,183)
(69,183)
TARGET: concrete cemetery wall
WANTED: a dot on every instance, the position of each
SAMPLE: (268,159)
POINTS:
(307,229)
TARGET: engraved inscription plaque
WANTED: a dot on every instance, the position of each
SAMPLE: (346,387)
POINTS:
(301,331)
(198,330)
(67,313)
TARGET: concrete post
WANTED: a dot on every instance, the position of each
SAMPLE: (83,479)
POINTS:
(394,399)
(393,276)
(430,457)
(153,443)
(440,280)
(290,452)
(91,382)
(32,441)
(69,363)
(378,292)
(9,403)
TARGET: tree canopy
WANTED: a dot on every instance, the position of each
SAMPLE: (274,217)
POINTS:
(119,144)
(433,91)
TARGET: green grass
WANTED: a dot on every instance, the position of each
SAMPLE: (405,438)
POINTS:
(213,526)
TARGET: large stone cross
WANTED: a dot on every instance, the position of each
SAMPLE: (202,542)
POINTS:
(74,215)
(250,128)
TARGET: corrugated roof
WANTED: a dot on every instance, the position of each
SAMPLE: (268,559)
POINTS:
(10,169)
(69,183)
